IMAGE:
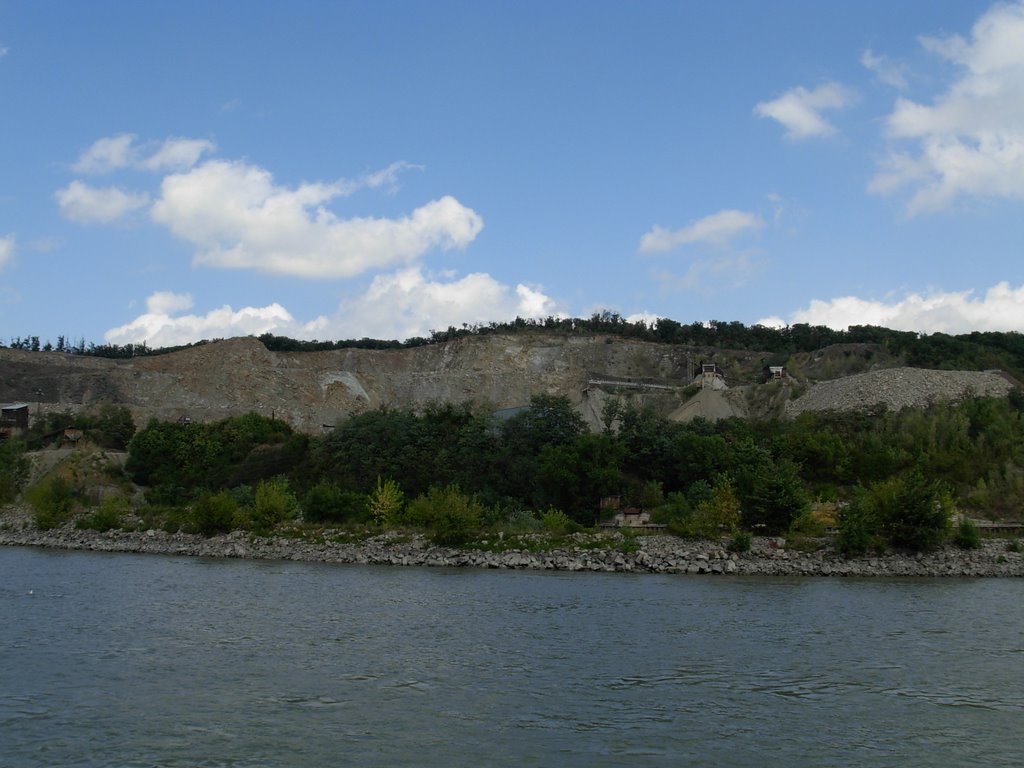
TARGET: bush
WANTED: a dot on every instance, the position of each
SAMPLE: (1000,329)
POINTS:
(713,517)
(860,528)
(273,504)
(1014,545)
(556,523)
(214,513)
(741,542)
(967,534)
(386,503)
(449,516)
(918,518)
(327,503)
(53,499)
(108,516)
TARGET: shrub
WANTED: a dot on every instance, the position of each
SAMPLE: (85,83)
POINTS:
(713,517)
(860,528)
(557,523)
(214,513)
(1014,546)
(918,517)
(967,534)
(107,516)
(327,503)
(449,516)
(53,499)
(386,503)
(741,542)
(273,504)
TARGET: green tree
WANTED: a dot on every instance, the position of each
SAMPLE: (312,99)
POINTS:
(273,504)
(386,503)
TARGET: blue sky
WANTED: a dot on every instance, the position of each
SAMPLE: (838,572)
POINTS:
(171,171)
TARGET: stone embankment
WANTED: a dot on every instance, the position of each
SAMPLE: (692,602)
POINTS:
(645,554)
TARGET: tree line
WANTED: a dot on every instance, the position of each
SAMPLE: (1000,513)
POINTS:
(894,477)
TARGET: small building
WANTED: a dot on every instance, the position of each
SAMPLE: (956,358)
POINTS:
(630,517)
(774,373)
(13,418)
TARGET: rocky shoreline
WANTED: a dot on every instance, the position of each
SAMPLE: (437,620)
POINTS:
(583,552)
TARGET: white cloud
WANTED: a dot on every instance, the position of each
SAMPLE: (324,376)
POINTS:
(85,204)
(799,110)
(407,303)
(168,302)
(158,327)
(395,306)
(6,250)
(885,69)
(970,140)
(3,51)
(108,154)
(717,229)
(176,154)
(1000,309)
(123,151)
(238,218)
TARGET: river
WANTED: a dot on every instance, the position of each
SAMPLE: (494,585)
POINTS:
(145,660)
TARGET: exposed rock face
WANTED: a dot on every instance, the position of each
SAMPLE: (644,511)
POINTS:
(311,389)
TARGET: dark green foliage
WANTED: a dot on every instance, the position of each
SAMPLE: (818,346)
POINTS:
(967,535)
(860,527)
(214,513)
(575,476)
(327,503)
(13,469)
(177,460)
(916,517)
(741,542)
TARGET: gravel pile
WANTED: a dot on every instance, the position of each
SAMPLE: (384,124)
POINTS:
(899,388)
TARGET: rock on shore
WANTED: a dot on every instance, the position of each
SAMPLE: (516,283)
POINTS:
(652,554)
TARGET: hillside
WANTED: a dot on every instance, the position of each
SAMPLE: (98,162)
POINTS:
(311,389)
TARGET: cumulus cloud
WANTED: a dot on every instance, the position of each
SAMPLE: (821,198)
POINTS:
(160,326)
(885,69)
(717,229)
(970,140)
(124,151)
(408,303)
(799,110)
(6,250)
(86,204)
(1001,308)
(238,217)
(401,305)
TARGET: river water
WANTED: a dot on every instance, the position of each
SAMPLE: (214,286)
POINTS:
(142,660)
